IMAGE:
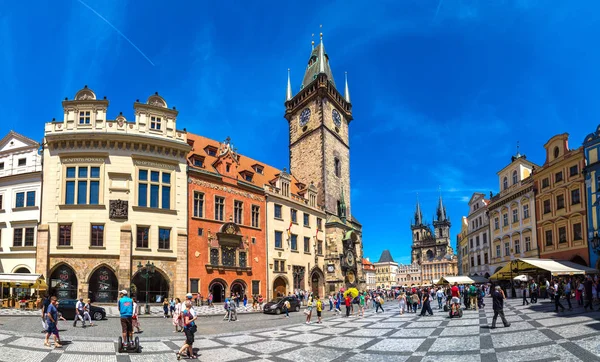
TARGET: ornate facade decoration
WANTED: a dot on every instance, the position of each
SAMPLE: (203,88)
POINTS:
(118,209)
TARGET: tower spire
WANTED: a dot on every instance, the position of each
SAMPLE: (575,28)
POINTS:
(441,210)
(518,153)
(418,213)
(321,54)
(347,91)
(288,95)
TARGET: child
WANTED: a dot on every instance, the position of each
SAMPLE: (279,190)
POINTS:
(166,308)
(319,309)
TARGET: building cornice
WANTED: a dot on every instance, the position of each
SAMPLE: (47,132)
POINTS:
(506,199)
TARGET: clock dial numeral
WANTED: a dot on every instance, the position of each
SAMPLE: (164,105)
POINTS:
(337,119)
(304,117)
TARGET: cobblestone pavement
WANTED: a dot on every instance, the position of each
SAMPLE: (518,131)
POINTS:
(536,334)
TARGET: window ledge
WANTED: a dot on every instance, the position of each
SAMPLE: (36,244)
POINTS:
(143,249)
(154,209)
(307,226)
(294,251)
(307,252)
(25,208)
(277,218)
(82,206)
(166,250)
(279,249)
(22,248)
(64,246)
(97,247)
(1,211)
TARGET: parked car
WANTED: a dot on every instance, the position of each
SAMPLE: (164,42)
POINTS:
(276,305)
(67,308)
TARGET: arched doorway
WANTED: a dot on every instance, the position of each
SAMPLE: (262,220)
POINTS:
(217,287)
(103,285)
(63,282)
(158,287)
(279,287)
(429,254)
(579,260)
(316,282)
(238,287)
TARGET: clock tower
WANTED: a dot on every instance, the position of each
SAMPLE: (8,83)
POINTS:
(319,117)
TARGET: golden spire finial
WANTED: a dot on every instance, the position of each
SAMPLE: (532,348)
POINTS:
(313,41)
(321,34)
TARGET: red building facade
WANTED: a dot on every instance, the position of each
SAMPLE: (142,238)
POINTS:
(227,231)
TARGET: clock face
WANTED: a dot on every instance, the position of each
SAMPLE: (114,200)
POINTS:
(330,268)
(304,117)
(349,258)
(337,119)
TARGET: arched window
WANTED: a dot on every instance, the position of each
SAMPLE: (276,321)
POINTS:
(515,177)
(556,152)
(505,183)
(338,167)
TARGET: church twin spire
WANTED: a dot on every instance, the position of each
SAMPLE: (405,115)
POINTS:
(441,213)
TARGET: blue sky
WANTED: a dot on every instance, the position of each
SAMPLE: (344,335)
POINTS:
(442,90)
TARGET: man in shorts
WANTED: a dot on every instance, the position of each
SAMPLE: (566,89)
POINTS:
(455,296)
(126,311)
(52,324)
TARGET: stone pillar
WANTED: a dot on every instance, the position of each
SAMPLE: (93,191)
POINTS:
(181,270)
(83,289)
(43,245)
(124,271)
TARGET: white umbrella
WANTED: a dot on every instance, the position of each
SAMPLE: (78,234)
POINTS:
(522,278)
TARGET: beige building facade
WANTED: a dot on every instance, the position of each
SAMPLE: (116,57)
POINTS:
(115,198)
(386,271)
(20,199)
(462,245)
(512,214)
(296,237)
(479,236)
(409,274)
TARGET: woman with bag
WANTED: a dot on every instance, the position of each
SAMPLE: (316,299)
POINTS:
(177,318)
(308,310)
(189,328)
(134,318)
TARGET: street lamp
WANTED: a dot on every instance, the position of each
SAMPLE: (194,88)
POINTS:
(596,243)
(146,272)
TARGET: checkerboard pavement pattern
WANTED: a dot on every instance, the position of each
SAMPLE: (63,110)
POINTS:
(536,334)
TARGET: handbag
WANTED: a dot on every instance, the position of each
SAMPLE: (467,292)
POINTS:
(307,311)
(193,329)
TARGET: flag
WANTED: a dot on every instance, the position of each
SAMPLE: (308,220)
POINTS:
(289,230)
(317,234)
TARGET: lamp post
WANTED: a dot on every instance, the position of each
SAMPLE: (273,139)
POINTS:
(596,243)
(146,271)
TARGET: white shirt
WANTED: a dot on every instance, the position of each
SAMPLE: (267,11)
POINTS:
(79,305)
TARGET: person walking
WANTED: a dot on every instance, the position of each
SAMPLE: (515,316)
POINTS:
(189,328)
(45,304)
(232,311)
(440,296)
(86,312)
(126,311)
(135,322)
(524,290)
(308,310)
(557,294)
(498,306)
(402,302)
(361,304)
(426,304)
(286,308)
(414,299)
(348,302)
(379,304)
(172,306)
(338,305)
(210,300)
(165,308)
(79,312)
(330,303)
(177,317)
(533,292)
(588,285)
(567,291)
(52,324)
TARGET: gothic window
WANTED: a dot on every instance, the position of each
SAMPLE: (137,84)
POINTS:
(417,236)
(228,256)
(515,177)
(505,183)
(441,232)
(338,167)
(214,256)
(242,258)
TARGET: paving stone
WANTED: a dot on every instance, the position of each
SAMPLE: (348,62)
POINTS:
(453,358)
(396,345)
(369,357)
(269,346)
(460,331)
(68,357)
(550,352)
(452,344)
(524,338)
(414,332)
(311,354)
(14,354)
(369,332)
(345,342)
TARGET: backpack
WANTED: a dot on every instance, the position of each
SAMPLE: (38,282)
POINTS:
(226,306)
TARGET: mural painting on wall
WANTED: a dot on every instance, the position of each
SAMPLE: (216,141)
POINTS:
(103,286)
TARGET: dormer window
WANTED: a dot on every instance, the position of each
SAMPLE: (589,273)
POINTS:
(84,117)
(247,175)
(258,168)
(556,152)
(198,161)
(285,188)
(505,183)
(515,177)
(155,123)
(211,151)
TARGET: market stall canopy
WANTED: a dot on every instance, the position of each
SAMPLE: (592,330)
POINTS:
(23,280)
(529,266)
(586,269)
(458,280)
(479,279)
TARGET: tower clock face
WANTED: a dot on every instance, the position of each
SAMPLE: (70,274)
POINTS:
(304,117)
(337,119)
(349,258)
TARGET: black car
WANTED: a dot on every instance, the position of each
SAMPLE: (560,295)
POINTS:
(66,307)
(276,305)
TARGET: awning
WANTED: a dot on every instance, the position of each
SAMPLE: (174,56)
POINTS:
(456,279)
(479,279)
(532,266)
(586,269)
(20,280)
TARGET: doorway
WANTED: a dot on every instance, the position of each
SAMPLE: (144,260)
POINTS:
(217,288)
